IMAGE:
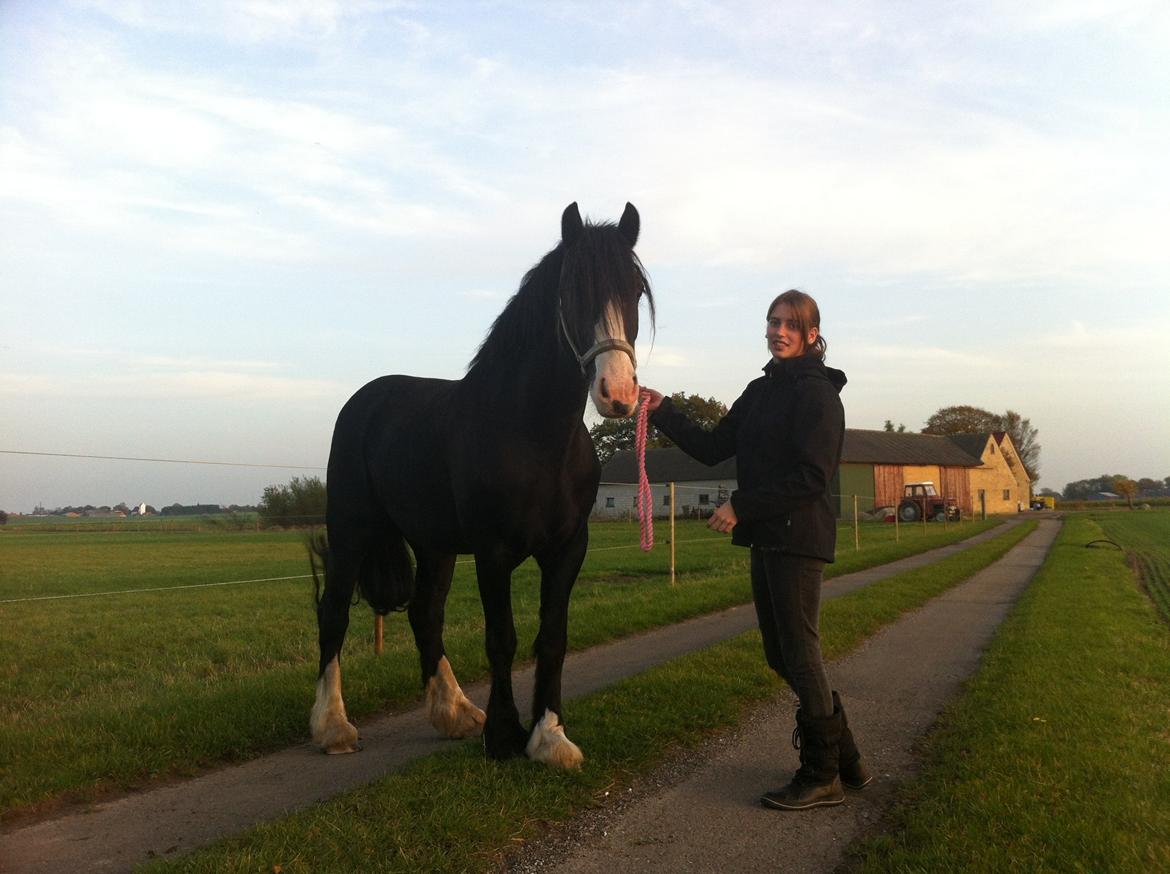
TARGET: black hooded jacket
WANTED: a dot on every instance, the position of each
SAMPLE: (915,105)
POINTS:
(786,432)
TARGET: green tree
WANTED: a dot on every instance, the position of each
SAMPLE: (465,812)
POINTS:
(1088,489)
(300,502)
(611,436)
(3,517)
(961,420)
(890,429)
(1024,439)
(976,420)
(1125,487)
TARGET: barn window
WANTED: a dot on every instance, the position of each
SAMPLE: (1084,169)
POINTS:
(704,500)
(1007,494)
(666,500)
(609,503)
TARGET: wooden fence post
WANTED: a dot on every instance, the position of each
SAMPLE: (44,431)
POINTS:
(672,554)
(856,529)
(378,633)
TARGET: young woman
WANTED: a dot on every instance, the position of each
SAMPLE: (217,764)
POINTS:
(786,432)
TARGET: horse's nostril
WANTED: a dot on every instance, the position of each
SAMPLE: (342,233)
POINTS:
(603,387)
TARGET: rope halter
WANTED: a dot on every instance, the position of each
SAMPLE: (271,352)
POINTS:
(607,345)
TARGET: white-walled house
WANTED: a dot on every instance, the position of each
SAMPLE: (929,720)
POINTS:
(699,489)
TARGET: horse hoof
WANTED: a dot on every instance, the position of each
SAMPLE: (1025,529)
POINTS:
(507,743)
(548,744)
(449,710)
(338,739)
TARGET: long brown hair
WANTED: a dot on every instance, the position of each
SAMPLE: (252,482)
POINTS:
(808,316)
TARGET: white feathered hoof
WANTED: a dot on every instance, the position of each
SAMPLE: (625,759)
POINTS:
(449,710)
(331,730)
(549,744)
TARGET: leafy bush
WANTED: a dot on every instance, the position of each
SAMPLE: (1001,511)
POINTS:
(300,502)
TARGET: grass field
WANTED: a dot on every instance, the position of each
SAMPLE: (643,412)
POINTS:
(1055,758)
(110,691)
(456,811)
(1052,760)
(1146,537)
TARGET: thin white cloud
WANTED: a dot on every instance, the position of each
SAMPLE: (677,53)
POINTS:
(203,364)
(666,357)
(246,21)
(223,385)
(922,357)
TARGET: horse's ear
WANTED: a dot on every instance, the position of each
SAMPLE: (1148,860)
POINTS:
(571,224)
(629,224)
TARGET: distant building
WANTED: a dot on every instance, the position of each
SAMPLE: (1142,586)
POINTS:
(699,489)
(980,471)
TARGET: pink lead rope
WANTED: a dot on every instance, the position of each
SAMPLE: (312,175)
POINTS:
(645,496)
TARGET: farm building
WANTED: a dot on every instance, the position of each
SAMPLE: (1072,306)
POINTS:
(1001,480)
(976,469)
(699,489)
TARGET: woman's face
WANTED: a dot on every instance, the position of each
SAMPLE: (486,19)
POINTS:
(783,334)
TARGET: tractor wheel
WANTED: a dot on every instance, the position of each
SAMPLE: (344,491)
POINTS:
(909,512)
(940,515)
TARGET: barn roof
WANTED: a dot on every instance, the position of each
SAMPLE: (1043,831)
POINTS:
(972,444)
(861,447)
(669,464)
(888,447)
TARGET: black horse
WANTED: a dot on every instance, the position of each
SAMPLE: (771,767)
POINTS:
(498,464)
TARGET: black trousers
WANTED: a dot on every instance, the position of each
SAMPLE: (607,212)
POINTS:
(787,592)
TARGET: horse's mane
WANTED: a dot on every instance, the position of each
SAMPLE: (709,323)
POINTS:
(597,268)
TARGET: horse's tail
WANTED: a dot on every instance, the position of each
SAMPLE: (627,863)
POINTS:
(385,576)
(386,579)
(318,547)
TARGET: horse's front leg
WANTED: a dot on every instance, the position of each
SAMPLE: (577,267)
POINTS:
(558,568)
(503,736)
(449,710)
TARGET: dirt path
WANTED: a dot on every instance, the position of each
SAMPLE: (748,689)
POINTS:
(704,814)
(117,835)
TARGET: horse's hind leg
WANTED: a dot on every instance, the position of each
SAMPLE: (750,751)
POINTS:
(449,710)
(558,571)
(330,727)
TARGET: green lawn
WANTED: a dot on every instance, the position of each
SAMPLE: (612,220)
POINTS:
(1056,757)
(456,811)
(113,691)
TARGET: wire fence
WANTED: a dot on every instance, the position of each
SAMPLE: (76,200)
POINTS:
(615,502)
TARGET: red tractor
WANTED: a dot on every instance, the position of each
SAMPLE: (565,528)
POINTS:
(921,501)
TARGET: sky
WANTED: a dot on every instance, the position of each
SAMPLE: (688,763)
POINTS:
(218,220)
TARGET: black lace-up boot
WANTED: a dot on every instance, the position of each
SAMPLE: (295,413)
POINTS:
(854,774)
(816,783)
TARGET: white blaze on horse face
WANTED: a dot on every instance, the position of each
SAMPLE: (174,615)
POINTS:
(615,383)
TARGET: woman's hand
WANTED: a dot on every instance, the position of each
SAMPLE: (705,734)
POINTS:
(651,398)
(723,519)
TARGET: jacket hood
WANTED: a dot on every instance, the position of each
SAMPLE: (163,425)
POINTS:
(805,367)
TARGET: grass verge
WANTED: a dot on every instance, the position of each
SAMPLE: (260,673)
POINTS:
(1054,759)
(100,694)
(454,811)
